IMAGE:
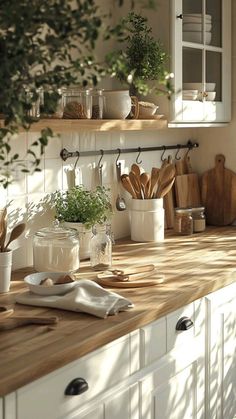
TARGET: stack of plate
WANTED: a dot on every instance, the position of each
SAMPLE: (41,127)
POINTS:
(209,92)
(193,28)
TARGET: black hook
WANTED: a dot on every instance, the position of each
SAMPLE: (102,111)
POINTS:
(164,150)
(139,152)
(176,154)
(99,163)
(119,153)
(78,155)
(189,148)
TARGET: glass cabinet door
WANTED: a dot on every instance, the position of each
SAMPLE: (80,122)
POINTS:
(201,60)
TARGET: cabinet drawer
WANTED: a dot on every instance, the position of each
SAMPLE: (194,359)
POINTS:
(185,324)
(101,369)
(152,342)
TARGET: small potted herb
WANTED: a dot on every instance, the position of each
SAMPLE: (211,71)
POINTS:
(81,208)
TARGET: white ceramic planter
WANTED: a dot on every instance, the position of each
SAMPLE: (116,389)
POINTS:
(84,239)
(147,220)
(117,104)
(5,271)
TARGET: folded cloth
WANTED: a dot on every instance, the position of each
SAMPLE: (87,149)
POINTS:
(87,297)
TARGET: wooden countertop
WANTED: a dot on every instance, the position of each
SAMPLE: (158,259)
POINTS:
(193,266)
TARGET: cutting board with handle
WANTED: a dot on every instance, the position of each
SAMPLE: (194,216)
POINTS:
(218,190)
(187,188)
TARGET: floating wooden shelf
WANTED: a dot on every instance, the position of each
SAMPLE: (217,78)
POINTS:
(72,125)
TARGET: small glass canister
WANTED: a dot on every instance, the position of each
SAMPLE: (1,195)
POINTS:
(101,248)
(199,219)
(183,223)
(56,249)
(98,103)
(78,104)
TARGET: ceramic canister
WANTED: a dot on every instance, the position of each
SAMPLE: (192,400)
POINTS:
(117,104)
(147,220)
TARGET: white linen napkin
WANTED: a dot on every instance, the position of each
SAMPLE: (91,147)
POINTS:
(87,297)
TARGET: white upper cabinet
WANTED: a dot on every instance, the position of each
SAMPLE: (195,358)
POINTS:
(201,61)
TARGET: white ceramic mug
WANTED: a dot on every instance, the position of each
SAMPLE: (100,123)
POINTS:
(5,270)
(147,220)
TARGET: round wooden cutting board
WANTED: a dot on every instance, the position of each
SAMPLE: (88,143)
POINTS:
(218,190)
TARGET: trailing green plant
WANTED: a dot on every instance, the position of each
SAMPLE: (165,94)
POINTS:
(141,59)
(83,206)
(43,44)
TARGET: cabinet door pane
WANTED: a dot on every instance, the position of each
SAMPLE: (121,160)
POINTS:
(214,75)
(214,9)
(192,73)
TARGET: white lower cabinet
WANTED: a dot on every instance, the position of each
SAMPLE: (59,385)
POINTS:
(182,366)
(221,354)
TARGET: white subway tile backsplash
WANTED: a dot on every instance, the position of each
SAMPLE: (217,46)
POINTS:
(53,175)
(53,149)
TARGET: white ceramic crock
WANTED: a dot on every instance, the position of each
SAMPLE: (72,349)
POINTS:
(5,270)
(147,220)
(117,104)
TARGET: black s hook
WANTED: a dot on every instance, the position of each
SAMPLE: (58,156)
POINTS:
(177,152)
(164,150)
(117,158)
(99,163)
(139,152)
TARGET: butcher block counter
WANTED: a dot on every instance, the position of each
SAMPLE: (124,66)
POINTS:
(192,267)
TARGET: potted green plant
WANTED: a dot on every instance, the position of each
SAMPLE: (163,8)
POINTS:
(141,62)
(81,208)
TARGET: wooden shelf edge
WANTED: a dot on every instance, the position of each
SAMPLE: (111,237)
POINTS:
(72,125)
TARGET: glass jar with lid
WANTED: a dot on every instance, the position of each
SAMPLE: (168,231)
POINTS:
(56,249)
(183,223)
(78,104)
(101,248)
(199,219)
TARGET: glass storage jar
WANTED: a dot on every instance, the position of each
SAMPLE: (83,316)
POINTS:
(97,103)
(49,98)
(183,223)
(78,104)
(56,249)
(101,248)
(199,219)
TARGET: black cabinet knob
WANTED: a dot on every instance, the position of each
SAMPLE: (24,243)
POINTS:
(76,387)
(184,323)
(180,16)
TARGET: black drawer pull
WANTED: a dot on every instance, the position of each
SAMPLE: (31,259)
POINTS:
(180,16)
(184,323)
(76,387)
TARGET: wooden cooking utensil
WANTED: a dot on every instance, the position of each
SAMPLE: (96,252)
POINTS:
(165,188)
(137,171)
(166,175)
(5,312)
(131,284)
(145,182)
(134,269)
(18,321)
(154,179)
(125,180)
(136,184)
(169,205)
(218,189)
(3,228)
(15,233)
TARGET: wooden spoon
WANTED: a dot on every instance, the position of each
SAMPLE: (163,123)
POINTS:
(18,321)
(15,233)
(166,174)
(136,184)
(154,178)
(136,170)
(145,182)
(125,180)
(3,229)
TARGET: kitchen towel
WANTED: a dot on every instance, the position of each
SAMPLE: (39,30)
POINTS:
(87,297)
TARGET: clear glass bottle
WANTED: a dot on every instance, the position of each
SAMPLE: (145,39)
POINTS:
(56,249)
(199,219)
(101,248)
(183,223)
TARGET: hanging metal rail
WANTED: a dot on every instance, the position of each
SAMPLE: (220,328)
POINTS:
(65,154)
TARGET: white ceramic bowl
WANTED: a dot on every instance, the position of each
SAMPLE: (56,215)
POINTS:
(210,87)
(196,37)
(196,16)
(196,27)
(211,96)
(190,94)
(33,281)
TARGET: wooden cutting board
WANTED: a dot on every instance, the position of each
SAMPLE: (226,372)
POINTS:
(187,190)
(218,190)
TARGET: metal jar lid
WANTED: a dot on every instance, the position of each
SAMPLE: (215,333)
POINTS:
(183,210)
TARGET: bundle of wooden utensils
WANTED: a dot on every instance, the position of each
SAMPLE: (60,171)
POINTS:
(149,186)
